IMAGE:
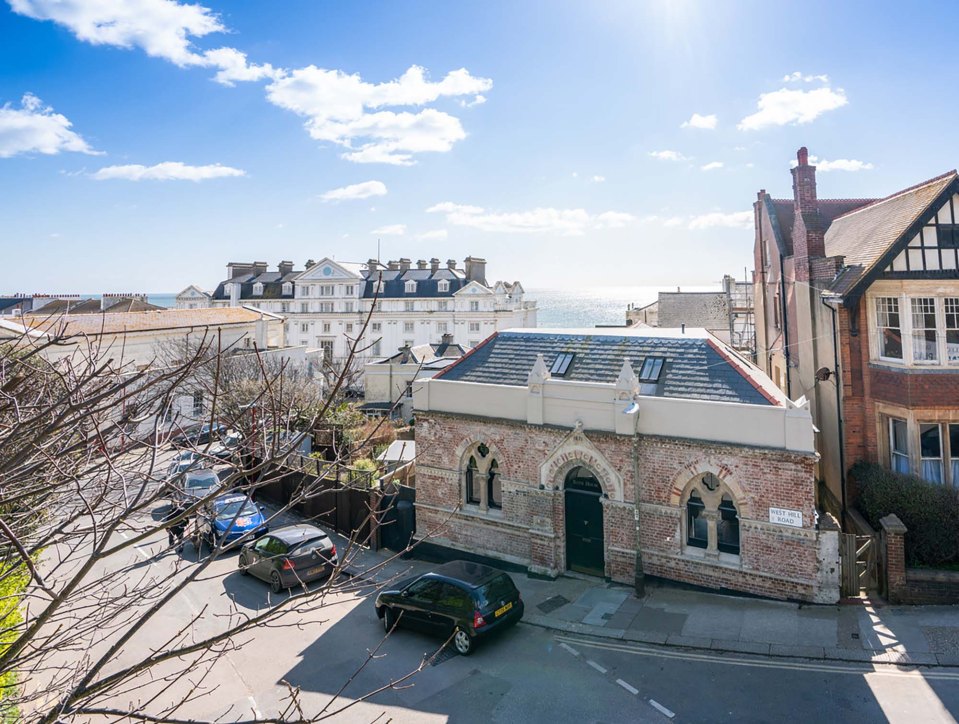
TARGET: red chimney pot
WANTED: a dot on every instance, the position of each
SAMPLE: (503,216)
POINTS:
(803,156)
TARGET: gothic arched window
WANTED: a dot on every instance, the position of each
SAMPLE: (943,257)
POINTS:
(482,482)
(711,517)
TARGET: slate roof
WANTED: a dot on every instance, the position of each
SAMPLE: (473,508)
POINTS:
(864,235)
(427,283)
(697,366)
(829,210)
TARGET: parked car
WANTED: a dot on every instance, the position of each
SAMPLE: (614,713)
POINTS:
(182,462)
(198,434)
(196,484)
(229,517)
(466,600)
(289,556)
(228,446)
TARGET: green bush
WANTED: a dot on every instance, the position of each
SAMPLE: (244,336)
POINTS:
(13,582)
(930,512)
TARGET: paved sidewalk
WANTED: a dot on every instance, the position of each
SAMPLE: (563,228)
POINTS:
(673,616)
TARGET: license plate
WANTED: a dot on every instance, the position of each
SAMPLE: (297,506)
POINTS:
(500,611)
(315,571)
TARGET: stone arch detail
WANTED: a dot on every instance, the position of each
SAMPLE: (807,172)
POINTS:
(692,473)
(574,451)
(459,456)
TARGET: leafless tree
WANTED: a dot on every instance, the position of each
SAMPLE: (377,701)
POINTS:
(83,505)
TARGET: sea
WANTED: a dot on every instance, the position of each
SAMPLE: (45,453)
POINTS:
(565,308)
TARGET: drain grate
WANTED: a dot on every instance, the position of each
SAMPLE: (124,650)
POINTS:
(447,653)
(551,604)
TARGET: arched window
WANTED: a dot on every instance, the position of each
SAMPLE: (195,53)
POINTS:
(494,491)
(472,478)
(482,484)
(711,517)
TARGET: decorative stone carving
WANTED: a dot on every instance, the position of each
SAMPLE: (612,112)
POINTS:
(576,449)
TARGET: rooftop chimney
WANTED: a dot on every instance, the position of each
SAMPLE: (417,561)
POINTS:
(434,265)
(446,339)
(285,267)
(421,264)
(475,269)
(393,265)
(451,264)
(404,264)
(807,232)
(372,264)
(259,267)
(804,182)
(310,263)
(238,268)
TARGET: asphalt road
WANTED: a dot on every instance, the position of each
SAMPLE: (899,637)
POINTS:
(525,675)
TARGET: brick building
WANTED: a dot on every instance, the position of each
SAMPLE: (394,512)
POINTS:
(857,308)
(593,450)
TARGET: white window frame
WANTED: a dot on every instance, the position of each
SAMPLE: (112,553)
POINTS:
(896,454)
(348,307)
(325,307)
(410,286)
(950,314)
(443,305)
(474,327)
(327,290)
(884,310)
(474,306)
(409,327)
(326,327)
(409,306)
(287,287)
(443,285)
(349,290)
(376,326)
(919,309)
(258,289)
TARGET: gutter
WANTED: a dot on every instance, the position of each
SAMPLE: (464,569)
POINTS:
(839,413)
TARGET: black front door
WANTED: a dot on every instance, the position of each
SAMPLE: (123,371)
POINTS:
(584,523)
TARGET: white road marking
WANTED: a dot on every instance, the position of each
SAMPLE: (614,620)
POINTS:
(894,670)
(256,711)
(124,535)
(631,689)
(569,648)
(661,709)
(596,666)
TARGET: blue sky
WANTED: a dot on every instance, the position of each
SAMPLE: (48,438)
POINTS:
(146,143)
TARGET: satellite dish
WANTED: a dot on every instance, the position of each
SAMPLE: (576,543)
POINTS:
(823,374)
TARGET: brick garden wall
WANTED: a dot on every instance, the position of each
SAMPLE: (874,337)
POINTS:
(775,561)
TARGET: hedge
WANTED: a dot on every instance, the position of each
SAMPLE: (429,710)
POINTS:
(13,582)
(930,512)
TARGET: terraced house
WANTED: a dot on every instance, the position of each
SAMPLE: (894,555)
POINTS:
(622,454)
(326,304)
(857,308)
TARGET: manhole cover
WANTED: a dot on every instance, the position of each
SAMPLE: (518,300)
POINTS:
(551,604)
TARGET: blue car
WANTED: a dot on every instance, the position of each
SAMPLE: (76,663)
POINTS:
(229,517)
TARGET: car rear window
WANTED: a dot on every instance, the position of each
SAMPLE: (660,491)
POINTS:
(308,546)
(499,589)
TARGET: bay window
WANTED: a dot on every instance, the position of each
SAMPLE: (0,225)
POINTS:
(898,446)
(924,339)
(889,331)
(930,448)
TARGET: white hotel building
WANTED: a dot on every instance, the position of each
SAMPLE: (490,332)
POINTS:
(326,304)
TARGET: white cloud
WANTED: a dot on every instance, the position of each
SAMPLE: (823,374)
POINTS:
(344,110)
(477,101)
(734,220)
(567,222)
(35,128)
(668,155)
(840,164)
(356,191)
(390,230)
(712,166)
(598,179)
(797,77)
(161,28)
(698,121)
(167,171)
(785,106)
(234,67)
(434,235)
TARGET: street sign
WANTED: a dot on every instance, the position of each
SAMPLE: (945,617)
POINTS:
(781,516)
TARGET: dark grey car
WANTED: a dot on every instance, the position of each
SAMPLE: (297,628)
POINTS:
(290,556)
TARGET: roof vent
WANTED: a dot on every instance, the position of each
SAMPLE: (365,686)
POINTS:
(561,364)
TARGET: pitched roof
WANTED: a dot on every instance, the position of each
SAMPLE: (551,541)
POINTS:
(697,366)
(119,322)
(862,236)
(829,210)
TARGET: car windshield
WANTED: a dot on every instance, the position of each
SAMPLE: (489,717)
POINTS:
(236,508)
(499,589)
(202,481)
(308,546)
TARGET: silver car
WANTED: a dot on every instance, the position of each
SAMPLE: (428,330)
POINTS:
(197,484)
(289,556)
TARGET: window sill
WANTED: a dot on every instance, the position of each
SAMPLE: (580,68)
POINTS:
(728,560)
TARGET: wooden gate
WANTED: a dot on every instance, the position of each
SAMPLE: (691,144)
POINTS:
(857,554)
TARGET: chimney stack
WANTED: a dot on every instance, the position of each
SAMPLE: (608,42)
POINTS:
(451,264)
(807,232)
(259,267)
(285,267)
(393,265)
(237,269)
(372,264)
(310,263)
(404,264)
(434,265)
(421,264)
(475,269)
(804,183)
(446,339)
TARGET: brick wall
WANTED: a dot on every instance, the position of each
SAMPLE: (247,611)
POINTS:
(775,561)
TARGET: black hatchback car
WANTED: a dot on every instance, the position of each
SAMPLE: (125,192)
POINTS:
(467,600)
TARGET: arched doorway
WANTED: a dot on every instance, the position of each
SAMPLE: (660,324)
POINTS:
(584,523)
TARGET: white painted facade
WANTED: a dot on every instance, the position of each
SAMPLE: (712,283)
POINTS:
(193,298)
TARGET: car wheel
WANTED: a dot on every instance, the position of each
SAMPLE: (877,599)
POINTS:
(276,585)
(389,619)
(463,642)
(244,568)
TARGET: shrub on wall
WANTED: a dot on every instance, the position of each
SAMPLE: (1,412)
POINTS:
(930,512)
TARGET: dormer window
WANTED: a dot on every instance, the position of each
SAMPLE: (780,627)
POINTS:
(410,287)
(380,287)
(443,285)
(258,289)
(287,288)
